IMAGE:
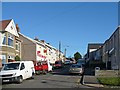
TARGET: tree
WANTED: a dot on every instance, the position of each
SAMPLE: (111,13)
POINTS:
(17,58)
(77,56)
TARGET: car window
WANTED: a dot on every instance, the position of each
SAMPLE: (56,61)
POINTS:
(57,62)
(76,66)
(11,66)
(22,66)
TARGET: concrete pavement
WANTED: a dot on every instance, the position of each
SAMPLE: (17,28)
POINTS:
(90,82)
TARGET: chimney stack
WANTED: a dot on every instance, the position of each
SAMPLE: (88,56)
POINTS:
(43,41)
(17,27)
(36,38)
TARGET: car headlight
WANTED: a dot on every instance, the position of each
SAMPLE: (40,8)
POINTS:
(14,74)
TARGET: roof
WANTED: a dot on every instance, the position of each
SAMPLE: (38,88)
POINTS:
(32,40)
(94,45)
(4,24)
(27,38)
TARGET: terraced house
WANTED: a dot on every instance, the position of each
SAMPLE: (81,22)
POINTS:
(10,44)
(37,50)
(108,52)
(111,50)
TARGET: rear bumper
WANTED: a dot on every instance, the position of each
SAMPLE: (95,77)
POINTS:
(75,72)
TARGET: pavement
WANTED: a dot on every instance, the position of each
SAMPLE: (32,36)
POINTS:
(90,82)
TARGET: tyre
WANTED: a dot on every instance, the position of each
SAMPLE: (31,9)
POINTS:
(44,72)
(32,77)
(20,80)
(37,72)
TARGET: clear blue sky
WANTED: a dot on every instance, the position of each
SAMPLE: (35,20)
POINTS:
(74,24)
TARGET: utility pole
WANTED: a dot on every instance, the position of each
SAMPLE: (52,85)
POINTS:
(65,53)
(59,49)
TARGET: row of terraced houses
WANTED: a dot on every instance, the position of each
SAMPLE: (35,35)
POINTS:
(108,52)
(14,44)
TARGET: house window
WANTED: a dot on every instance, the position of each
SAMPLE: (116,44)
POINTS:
(3,59)
(4,40)
(10,40)
(17,45)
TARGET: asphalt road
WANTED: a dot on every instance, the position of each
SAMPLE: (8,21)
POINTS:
(58,79)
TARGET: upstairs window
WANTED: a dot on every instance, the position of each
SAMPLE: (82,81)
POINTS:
(10,40)
(17,45)
(4,40)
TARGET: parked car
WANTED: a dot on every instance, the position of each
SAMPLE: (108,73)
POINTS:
(67,62)
(17,71)
(58,64)
(76,69)
(42,67)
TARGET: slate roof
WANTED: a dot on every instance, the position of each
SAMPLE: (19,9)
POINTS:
(4,24)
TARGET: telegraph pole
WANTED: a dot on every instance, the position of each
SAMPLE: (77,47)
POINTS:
(59,49)
(65,51)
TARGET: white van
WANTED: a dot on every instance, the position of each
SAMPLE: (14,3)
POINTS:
(17,71)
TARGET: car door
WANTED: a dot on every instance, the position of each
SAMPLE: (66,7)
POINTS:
(23,71)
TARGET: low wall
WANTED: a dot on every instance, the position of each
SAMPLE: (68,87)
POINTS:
(108,73)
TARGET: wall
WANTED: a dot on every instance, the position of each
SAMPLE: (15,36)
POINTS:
(28,48)
(108,73)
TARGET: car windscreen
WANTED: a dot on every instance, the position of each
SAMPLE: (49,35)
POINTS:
(57,62)
(11,66)
(76,66)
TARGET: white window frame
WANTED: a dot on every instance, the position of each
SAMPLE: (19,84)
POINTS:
(12,38)
(17,46)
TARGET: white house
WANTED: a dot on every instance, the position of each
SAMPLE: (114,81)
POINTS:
(10,44)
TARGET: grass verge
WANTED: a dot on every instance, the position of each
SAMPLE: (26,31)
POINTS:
(112,81)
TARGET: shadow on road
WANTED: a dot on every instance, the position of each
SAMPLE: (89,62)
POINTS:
(65,71)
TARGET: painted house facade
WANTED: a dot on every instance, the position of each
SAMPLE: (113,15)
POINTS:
(111,50)
(10,44)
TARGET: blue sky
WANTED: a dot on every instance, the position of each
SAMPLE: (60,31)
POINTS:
(75,24)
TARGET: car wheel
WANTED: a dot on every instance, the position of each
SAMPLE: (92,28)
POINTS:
(44,72)
(32,77)
(20,79)
(37,72)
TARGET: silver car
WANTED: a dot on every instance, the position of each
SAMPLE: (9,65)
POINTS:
(76,69)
